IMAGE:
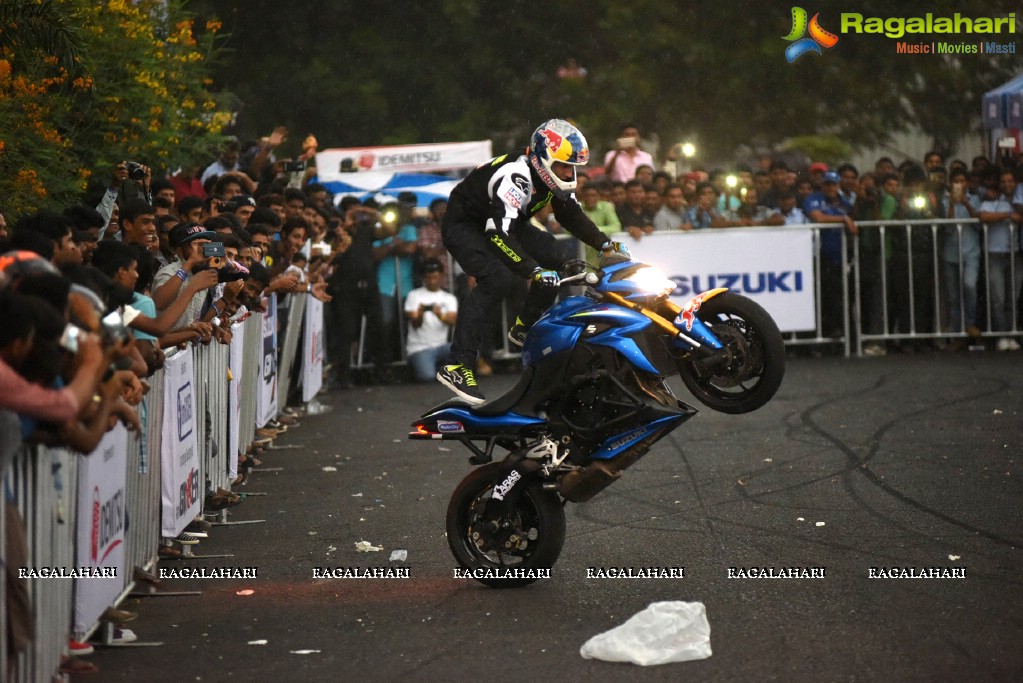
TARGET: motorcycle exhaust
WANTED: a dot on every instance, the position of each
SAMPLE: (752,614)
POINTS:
(579,486)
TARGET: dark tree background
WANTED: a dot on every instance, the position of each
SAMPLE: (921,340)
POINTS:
(371,72)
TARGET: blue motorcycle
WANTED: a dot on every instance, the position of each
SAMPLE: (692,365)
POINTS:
(592,400)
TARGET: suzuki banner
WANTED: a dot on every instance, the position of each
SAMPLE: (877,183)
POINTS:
(266,392)
(774,267)
(181,485)
(401,158)
(100,532)
(312,349)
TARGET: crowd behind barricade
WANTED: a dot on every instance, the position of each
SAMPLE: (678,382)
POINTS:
(979,260)
(95,296)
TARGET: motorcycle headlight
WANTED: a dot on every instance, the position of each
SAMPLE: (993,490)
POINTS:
(651,281)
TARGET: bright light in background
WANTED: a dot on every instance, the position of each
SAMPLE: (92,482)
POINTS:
(688,150)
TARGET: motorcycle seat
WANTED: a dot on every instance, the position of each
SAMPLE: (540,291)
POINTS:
(498,406)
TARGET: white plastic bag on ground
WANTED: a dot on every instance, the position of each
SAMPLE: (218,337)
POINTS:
(664,632)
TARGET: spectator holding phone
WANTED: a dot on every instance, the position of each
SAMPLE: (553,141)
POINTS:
(431,313)
(622,162)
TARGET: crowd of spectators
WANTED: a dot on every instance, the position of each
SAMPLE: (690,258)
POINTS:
(94,295)
(97,294)
(630,193)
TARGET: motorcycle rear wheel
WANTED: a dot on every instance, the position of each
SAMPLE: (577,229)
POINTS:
(753,376)
(538,513)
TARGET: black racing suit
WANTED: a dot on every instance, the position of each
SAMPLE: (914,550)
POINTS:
(487,230)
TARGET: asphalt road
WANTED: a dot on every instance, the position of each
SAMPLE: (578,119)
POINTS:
(903,461)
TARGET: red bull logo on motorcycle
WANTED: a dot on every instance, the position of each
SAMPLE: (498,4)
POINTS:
(688,315)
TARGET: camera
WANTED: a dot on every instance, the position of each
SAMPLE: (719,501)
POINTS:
(293,166)
(113,326)
(214,253)
(136,171)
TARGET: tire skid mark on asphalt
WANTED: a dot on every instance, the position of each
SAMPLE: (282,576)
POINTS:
(663,510)
(858,465)
(804,422)
(817,541)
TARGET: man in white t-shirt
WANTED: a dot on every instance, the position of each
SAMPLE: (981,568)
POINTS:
(431,313)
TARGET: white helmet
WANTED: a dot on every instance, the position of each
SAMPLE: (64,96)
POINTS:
(557,140)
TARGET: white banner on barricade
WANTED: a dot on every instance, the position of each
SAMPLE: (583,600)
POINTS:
(181,485)
(774,267)
(266,394)
(234,398)
(312,349)
(100,532)
(401,158)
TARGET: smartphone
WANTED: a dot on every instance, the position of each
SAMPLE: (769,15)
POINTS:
(69,339)
(215,254)
(627,143)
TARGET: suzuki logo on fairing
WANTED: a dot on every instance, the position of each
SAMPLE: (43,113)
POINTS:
(502,489)
(626,439)
(745,283)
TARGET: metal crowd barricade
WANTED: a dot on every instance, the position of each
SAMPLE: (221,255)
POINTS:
(252,354)
(211,409)
(142,488)
(292,338)
(43,483)
(902,289)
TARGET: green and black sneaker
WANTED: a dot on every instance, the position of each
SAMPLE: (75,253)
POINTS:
(462,381)
(517,334)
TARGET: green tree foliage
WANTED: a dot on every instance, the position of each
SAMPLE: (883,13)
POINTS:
(359,73)
(85,84)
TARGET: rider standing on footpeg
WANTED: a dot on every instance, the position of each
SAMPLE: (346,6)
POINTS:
(487,230)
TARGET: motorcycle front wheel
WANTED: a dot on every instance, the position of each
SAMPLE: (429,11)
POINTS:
(529,538)
(757,365)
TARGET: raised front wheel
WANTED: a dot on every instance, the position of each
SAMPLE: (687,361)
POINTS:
(756,359)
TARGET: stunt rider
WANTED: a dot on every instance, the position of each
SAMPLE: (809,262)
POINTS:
(487,230)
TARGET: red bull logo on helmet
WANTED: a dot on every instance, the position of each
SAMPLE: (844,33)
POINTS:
(554,140)
(565,144)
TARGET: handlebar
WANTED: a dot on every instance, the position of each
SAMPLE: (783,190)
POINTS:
(589,277)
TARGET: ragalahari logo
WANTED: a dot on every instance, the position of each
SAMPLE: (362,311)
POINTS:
(818,36)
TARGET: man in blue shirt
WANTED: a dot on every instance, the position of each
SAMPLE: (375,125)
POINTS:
(961,250)
(827,206)
(1005,266)
(395,257)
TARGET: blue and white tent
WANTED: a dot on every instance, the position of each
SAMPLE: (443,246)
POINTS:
(385,186)
(1003,106)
